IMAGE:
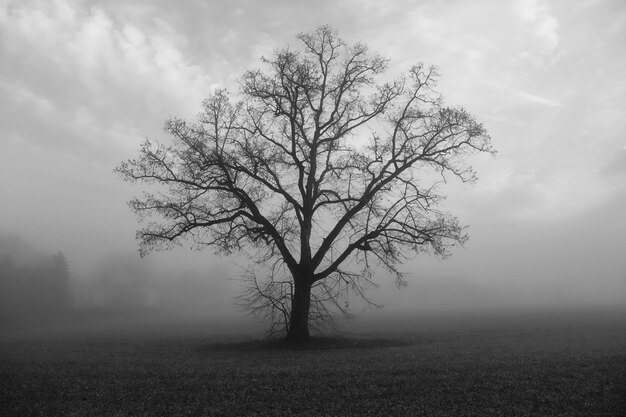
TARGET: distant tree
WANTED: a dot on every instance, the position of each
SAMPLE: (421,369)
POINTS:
(34,287)
(59,281)
(7,285)
(317,172)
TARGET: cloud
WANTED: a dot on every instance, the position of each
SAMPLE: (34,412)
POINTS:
(544,25)
(524,95)
(615,165)
(536,99)
(78,68)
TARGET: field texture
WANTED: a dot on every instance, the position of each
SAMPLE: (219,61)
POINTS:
(560,370)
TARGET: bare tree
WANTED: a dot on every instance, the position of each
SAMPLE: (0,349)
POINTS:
(317,171)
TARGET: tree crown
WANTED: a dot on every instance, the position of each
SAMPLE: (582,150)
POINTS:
(315,167)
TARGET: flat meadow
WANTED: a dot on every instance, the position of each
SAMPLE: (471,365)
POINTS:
(526,364)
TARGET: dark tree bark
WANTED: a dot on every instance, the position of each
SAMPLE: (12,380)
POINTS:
(298,330)
(315,169)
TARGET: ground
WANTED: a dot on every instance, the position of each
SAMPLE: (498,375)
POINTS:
(533,365)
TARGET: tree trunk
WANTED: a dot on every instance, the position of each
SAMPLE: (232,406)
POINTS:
(300,304)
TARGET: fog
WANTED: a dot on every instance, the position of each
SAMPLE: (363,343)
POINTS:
(39,288)
(179,286)
(83,83)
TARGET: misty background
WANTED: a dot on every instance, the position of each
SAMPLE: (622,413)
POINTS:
(82,83)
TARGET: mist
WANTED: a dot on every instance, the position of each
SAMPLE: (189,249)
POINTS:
(41,288)
(44,287)
(545,218)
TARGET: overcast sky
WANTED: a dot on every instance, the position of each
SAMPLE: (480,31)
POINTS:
(82,83)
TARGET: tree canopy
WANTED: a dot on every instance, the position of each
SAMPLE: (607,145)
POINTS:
(315,168)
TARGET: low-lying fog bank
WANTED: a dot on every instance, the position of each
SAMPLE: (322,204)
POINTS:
(43,289)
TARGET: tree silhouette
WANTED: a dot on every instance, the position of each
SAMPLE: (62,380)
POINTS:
(34,286)
(317,171)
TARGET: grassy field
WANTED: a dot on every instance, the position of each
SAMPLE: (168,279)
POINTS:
(575,366)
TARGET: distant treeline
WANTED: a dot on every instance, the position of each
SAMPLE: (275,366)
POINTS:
(34,286)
